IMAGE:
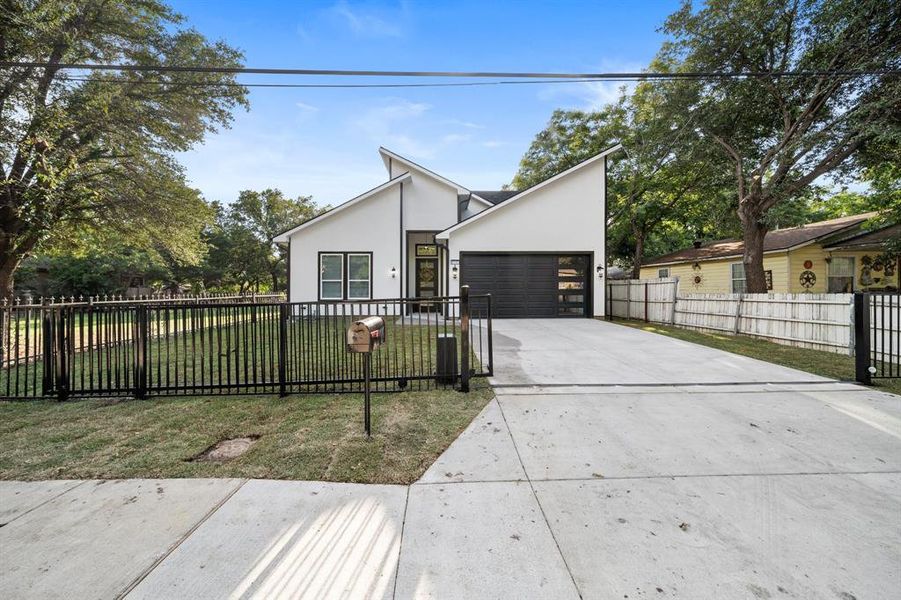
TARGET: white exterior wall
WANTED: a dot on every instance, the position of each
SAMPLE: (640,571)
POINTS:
(372,225)
(429,205)
(566,215)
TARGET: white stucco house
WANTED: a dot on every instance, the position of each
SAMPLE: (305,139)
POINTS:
(539,252)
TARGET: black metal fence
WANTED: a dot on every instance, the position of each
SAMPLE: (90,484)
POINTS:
(877,335)
(176,348)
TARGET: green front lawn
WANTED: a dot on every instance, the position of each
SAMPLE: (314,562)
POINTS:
(317,437)
(827,364)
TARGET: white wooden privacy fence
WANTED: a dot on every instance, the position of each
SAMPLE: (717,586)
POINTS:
(819,321)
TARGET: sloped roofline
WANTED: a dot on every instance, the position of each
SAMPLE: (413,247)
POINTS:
(669,259)
(283,237)
(495,207)
(412,165)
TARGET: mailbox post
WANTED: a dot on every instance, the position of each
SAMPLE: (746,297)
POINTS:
(363,337)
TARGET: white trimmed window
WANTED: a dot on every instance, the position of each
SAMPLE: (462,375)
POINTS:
(331,276)
(841,275)
(359,277)
(738,278)
(664,272)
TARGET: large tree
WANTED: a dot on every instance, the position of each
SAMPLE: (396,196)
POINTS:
(781,133)
(653,185)
(96,150)
(266,214)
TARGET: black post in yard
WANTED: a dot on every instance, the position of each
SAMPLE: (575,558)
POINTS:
(862,338)
(61,355)
(139,336)
(464,341)
(282,349)
(367,421)
(47,350)
(490,340)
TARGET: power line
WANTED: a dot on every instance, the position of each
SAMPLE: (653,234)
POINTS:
(445,74)
(339,85)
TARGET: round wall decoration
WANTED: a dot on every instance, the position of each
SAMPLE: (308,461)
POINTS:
(808,279)
(697,280)
(808,264)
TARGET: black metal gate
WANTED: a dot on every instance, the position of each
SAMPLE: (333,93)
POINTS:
(877,336)
(176,348)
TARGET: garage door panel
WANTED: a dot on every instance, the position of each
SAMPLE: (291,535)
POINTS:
(529,285)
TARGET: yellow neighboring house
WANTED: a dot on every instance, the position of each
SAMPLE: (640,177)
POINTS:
(838,255)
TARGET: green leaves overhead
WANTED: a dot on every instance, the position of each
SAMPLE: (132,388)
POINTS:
(96,151)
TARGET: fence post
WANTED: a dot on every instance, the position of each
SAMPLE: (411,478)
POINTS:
(862,338)
(675,298)
(645,301)
(48,346)
(282,349)
(628,298)
(464,342)
(61,356)
(741,298)
(139,336)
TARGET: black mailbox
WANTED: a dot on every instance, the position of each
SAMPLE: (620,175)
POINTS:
(366,334)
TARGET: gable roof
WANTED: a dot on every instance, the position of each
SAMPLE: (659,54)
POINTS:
(775,241)
(867,239)
(523,193)
(496,197)
(412,165)
(283,237)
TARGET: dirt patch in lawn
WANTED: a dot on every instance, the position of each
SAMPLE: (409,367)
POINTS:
(226,450)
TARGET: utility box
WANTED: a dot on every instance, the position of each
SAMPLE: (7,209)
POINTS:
(446,369)
(366,335)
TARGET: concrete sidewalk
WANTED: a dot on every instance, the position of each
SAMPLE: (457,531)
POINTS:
(691,492)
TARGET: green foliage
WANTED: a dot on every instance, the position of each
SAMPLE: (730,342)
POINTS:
(94,154)
(94,273)
(780,134)
(658,201)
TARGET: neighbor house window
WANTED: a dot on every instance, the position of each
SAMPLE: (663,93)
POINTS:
(663,272)
(359,276)
(331,276)
(841,275)
(738,278)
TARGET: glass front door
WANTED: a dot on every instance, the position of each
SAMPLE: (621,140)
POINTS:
(426,282)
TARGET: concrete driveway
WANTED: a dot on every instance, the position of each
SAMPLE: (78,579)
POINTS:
(776,484)
(584,352)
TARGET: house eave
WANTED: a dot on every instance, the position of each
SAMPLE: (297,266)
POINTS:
(285,235)
(494,208)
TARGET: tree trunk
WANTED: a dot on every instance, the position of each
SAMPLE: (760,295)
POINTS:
(638,255)
(753,234)
(274,275)
(8,268)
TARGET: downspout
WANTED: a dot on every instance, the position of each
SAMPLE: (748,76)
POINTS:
(288,278)
(606,218)
(403,237)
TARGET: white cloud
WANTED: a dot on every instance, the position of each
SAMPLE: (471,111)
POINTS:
(307,107)
(493,144)
(591,95)
(367,24)
(455,138)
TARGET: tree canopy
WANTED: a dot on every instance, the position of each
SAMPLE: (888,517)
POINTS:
(95,152)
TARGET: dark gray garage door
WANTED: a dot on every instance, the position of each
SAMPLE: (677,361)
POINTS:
(530,285)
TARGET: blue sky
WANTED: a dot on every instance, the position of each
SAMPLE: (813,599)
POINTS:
(325,142)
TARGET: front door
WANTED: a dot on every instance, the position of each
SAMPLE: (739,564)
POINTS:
(426,285)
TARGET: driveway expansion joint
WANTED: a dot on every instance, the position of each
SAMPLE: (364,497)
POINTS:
(538,502)
(131,586)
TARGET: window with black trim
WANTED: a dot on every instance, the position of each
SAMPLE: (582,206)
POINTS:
(345,276)
(359,277)
(331,276)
